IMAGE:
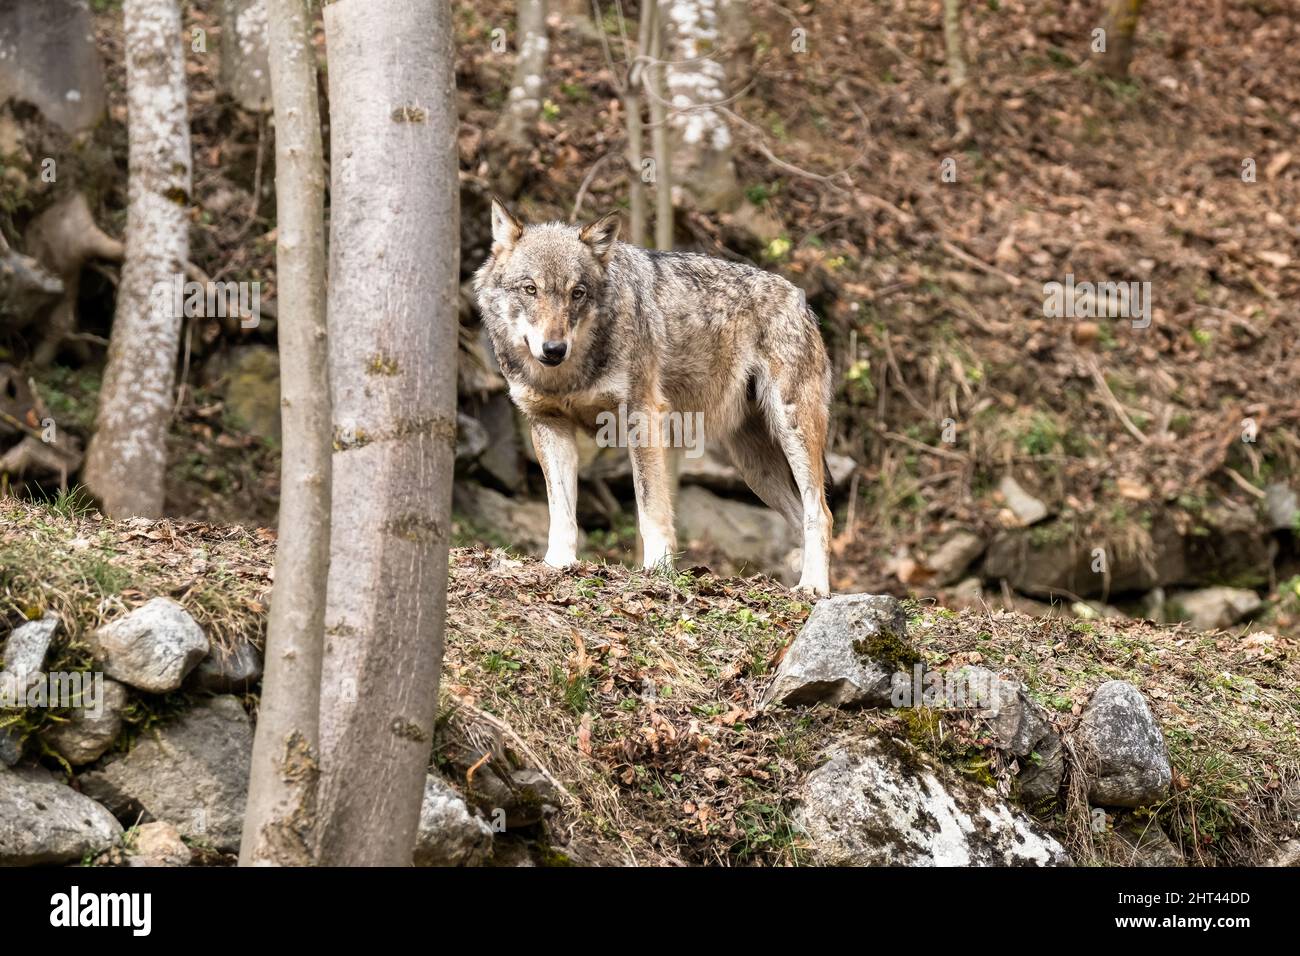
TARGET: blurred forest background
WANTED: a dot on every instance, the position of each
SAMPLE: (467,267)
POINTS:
(922,169)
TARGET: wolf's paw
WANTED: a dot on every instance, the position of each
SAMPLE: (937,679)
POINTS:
(812,590)
(560,559)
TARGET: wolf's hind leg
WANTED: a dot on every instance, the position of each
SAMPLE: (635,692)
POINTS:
(796,411)
(761,461)
(557,452)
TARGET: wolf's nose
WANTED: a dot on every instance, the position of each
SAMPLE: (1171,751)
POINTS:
(554,350)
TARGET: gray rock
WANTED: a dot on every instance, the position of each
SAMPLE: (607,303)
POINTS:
(43,820)
(234,670)
(713,470)
(526,797)
(158,844)
(1281,507)
(846,655)
(248,380)
(192,773)
(520,523)
(471,439)
(1027,509)
(750,537)
(1288,854)
(1145,844)
(24,654)
(1210,609)
(1020,727)
(48,58)
(28,644)
(881,804)
(11,747)
(86,735)
(503,458)
(449,834)
(954,556)
(1053,558)
(1126,753)
(152,648)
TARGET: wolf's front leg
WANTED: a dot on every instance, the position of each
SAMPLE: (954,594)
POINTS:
(557,451)
(654,505)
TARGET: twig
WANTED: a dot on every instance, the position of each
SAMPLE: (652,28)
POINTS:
(966,257)
(1242,483)
(1113,402)
(586,184)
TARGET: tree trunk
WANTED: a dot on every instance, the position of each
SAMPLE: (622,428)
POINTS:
(660,139)
(954,42)
(696,81)
(635,128)
(394,251)
(245,57)
(280,823)
(524,101)
(1121,26)
(127,460)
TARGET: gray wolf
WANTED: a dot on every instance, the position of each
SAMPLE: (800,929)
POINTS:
(585,326)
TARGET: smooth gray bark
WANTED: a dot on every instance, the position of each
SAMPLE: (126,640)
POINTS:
(524,101)
(127,460)
(394,250)
(280,822)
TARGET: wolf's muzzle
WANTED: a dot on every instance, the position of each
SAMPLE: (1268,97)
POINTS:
(553,352)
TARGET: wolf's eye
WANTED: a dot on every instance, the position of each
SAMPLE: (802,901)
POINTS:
(530,289)
(579,293)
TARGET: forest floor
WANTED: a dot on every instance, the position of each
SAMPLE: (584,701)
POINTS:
(639,691)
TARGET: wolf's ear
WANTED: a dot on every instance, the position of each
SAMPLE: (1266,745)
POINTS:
(600,235)
(506,229)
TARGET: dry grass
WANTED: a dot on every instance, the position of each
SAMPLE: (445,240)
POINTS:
(60,558)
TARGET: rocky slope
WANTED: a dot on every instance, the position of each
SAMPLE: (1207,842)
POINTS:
(599,715)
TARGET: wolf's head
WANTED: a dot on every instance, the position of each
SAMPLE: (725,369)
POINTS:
(541,289)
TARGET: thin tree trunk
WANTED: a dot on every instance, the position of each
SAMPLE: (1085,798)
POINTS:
(245,57)
(280,822)
(696,81)
(524,101)
(954,52)
(659,138)
(126,463)
(635,128)
(1121,28)
(394,251)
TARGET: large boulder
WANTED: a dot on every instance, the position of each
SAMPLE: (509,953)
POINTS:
(153,648)
(449,834)
(90,730)
(846,655)
(43,820)
(518,523)
(48,58)
(878,803)
(750,538)
(1210,609)
(192,773)
(1124,750)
